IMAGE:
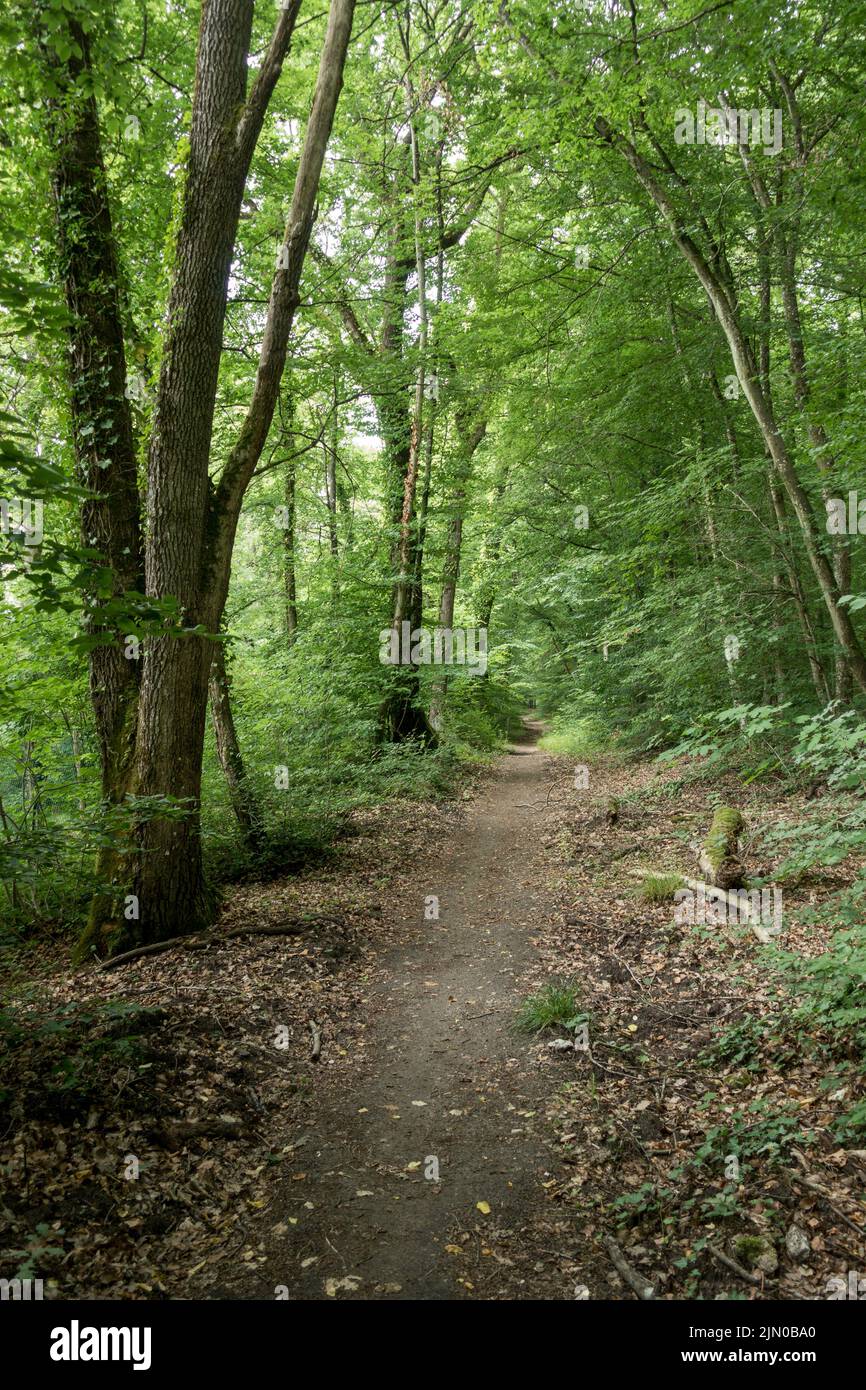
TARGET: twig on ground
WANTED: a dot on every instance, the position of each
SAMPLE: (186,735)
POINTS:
(636,1281)
(732,1265)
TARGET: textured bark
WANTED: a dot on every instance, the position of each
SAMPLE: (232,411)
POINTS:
(169,881)
(191,525)
(102,425)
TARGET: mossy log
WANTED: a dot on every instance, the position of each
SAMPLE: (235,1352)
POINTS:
(719,857)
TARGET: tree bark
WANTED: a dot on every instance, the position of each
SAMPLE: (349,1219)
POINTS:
(191,525)
(241,794)
(102,426)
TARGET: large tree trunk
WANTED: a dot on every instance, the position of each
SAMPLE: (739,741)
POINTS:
(192,526)
(169,880)
(102,426)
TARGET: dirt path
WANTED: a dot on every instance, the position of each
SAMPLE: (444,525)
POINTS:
(412,1162)
(448,1085)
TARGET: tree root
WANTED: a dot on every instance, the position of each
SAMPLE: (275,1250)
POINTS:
(295,927)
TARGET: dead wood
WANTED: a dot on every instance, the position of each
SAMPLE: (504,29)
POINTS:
(295,927)
(636,1281)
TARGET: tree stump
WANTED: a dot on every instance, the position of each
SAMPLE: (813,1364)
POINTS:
(719,858)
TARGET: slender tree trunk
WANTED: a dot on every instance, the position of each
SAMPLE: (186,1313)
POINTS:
(331,479)
(289,573)
(241,794)
(401,715)
(783,236)
(470,432)
(417,601)
(747,374)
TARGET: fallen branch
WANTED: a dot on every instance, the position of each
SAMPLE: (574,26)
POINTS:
(739,906)
(641,1286)
(203,940)
(732,1265)
(818,1191)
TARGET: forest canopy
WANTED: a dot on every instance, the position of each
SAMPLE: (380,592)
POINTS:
(538,324)
(433,649)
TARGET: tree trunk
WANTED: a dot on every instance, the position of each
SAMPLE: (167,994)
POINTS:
(241,794)
(745,367)
(192,526)
(102,428)
(401,715)
(471,434)
(289,573)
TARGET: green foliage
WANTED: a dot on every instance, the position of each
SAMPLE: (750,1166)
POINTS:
(64,1055)
(660,888)
(584,738)
(601,381)
(556,1005)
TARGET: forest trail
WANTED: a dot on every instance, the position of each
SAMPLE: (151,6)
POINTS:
(447,1077)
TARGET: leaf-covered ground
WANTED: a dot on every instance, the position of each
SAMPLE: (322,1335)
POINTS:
(166,1133)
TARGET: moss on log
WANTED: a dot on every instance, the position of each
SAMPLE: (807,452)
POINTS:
(719,858)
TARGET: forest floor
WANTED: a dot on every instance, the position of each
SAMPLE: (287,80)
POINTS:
(433,1151)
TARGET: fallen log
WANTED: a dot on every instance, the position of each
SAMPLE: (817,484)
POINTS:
(737,904)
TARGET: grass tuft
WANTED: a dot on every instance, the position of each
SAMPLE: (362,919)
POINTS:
(553,1006)
(660,888)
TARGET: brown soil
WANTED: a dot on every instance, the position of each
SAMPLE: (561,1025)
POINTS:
(447,1082)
